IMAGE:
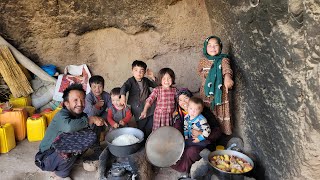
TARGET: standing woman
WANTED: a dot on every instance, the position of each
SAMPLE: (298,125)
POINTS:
(216,80)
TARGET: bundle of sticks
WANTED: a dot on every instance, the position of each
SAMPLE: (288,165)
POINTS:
(13,75)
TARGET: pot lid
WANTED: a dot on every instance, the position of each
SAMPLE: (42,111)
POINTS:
(164,146)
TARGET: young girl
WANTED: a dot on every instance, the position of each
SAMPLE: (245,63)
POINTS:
(165,102)
(216,78)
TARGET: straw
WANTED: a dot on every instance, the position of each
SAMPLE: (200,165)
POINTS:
(13,75)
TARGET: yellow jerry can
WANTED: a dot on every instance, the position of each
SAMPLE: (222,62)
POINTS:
(21,101)
(49,114)
(7,139)
(17,117)
(36,127)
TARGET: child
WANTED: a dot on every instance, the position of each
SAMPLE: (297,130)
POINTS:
(138,87)
(97,101)
(216,78)
(165,96)
(118,114)
(195,121)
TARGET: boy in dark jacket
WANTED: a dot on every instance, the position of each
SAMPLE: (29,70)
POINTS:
(138,87)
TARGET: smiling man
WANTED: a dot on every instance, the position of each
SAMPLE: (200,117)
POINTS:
(70,119)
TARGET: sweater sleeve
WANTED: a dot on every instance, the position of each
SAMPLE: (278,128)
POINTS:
(108,102)
(110,118)
(226,68)
(151,83)
(128,116)
(125,87)
(205,128)
(90,108)
(153,96)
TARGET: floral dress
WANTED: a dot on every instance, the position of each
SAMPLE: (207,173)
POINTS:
(222,112)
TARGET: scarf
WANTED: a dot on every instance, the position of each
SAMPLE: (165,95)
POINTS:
(213,84)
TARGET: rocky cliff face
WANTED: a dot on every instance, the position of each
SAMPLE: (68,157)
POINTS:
(275,49)
(109,35)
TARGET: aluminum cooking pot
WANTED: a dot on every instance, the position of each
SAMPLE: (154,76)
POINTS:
(230,152)
(123,151)
(164,146)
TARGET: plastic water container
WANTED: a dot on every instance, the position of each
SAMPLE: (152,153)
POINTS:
(7,139)
(36,127)
(49,114)
(17,117)
(21,101)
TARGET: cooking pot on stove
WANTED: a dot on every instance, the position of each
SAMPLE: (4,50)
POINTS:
(124,151)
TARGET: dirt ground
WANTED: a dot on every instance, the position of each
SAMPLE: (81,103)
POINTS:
(19,164)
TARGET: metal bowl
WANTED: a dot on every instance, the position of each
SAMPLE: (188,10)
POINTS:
(123,151)
(230,153)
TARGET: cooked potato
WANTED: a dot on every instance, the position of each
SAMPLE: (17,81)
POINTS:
(231,164)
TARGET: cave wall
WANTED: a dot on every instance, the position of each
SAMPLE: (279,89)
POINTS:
(109,35)
(275,55)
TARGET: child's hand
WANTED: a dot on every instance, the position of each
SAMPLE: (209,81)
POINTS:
(195,140)
(196,133)
(121,123)
(116,125)
(123,100)
(99,104)
(143,115)
(228,82)
(150,74)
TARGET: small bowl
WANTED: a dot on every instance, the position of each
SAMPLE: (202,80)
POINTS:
(91,165)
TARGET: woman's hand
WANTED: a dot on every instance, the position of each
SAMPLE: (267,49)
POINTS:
(228,82)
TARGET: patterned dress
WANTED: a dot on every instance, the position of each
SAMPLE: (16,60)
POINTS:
(165,106)
(222,112)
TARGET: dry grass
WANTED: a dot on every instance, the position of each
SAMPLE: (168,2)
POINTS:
(13,75)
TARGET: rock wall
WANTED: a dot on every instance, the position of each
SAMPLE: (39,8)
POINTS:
(275,54)
(109,35)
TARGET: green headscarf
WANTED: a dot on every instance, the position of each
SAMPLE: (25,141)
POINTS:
(213,84)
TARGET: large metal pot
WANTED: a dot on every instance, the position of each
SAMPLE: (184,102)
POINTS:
(123,151)
(230,152)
